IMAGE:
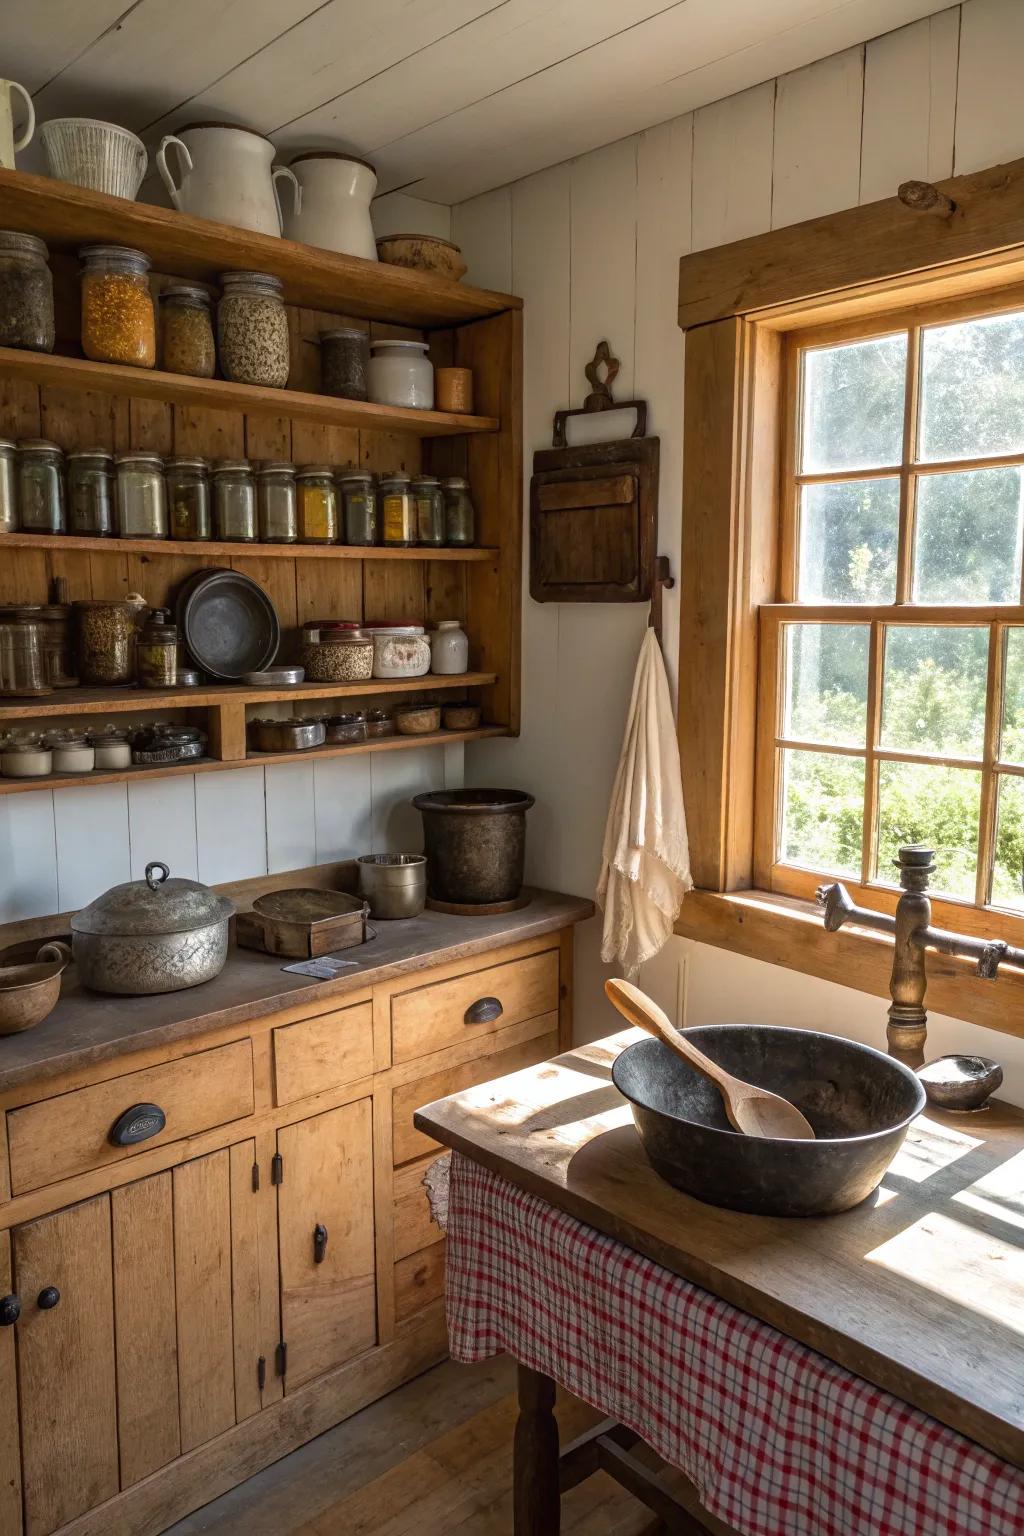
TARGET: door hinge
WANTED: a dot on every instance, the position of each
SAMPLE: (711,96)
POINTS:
(277,1169)
(255,1177)
(281,1358)
(261,1372)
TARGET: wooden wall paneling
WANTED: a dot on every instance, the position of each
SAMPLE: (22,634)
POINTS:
(66,1380)
(988,126)
(211,433)
(731,194)
(394,591)
(245,1279)
(145,1332)
(91,822)
(818,172)
(446,594)
(160,810)
(23,573)
(381,451)
(268,437)
(291,817)
(28,838)
(328,589)
(482,226)
(231,830)
(10,1449)
(909,105)
(343,819)
(202,1237)
(278,578)
(151,426)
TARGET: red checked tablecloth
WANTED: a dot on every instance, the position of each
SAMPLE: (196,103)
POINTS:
(778,1440)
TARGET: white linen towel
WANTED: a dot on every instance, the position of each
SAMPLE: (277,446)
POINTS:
(645,859)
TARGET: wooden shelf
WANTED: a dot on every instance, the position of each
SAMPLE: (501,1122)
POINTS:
(98,701)
(170,547)
(67,217)
(48,368)
(253,759)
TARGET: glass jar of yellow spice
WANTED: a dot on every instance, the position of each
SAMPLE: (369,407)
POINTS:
(186,331)
(318,505)
(118,320)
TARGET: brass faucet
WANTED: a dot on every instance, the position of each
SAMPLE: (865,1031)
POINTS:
(913,935)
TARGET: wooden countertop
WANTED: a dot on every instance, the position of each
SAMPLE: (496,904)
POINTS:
(920,1289)
(89,1027)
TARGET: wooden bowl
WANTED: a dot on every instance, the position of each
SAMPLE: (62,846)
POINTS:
(461,717)
(424,253)
(417,719)
(29,992)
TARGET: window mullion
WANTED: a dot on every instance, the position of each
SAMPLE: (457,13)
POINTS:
(876,660)
(988,810)
(908,484)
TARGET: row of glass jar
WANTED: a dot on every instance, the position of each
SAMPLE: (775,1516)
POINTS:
(102,749)
(101,641)
(141,496)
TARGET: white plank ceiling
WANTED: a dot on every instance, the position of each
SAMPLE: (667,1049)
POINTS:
(447,97)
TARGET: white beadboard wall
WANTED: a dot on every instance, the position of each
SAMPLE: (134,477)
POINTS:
(593,246)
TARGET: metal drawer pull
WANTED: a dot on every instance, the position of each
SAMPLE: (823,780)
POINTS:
(137,1124)
(10,1310)
(48,1298)
(484,1011)
(319,1243)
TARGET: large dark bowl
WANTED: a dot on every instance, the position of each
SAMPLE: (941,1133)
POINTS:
(859,1102)
(229,624)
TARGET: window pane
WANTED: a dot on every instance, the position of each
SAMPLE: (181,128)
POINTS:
(827,683)
(972,388)
(933,693)
(853,405)
(1011,748)
(922,803)
(822,811)
(848,538)
(1008,870)
(968,543)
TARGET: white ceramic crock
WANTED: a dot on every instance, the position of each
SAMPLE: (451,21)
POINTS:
(334,212)
(227,174)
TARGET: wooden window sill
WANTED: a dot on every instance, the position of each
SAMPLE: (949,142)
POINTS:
(785,931)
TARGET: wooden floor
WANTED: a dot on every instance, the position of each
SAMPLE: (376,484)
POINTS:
(432,1459)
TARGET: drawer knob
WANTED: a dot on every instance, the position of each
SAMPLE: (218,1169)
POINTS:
(137,1124)
(319,1243)
(48,1298)
(10,1310)
(484,1011)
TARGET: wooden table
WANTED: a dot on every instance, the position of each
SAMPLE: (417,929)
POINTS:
(920,1290)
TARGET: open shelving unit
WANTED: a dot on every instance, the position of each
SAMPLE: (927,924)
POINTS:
(81,404)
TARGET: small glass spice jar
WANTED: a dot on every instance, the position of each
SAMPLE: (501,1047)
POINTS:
(344,362)
(188,497)
(141,496)
(318,505)
(459,513)
(276,503)
(26,293)
(118,319)
(398,519)
(429,499)
(105,640)
(8,487)
(252,330)
(90,508)
(359,514)
(22,660)
(40,486)
(26,757)
(111,748)
(186,331)
(156,651)
(73,752)
(234,502)
(57,645)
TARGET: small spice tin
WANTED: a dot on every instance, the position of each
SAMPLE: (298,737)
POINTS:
(188,495)
(275,677)
(141,496)
(294,735)
(344,362)
(379,723)
(90,501)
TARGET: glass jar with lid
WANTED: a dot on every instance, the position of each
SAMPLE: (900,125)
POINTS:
(252,330)
(22,663)
(186,331)
(8,487)
(234,502)
(105,630)
(58,646)
(141,496)
(459,513)
(118,318)
(401,373)
(156,651)
(318,505)
(73,752)
(41,486)
(26,757)
(344,362)
(188,496)
(276,502)
(399,650)
(26,293)
(111,748)
(398,521)
(429,500)
(91,493)
(359,520)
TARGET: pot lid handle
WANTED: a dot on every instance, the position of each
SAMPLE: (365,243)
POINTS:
(151,879)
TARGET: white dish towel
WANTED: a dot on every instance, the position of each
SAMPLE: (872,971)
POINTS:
(645,864)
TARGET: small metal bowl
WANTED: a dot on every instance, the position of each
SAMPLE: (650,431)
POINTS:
(275,677)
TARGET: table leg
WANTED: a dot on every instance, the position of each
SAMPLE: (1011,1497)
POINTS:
(536,1495)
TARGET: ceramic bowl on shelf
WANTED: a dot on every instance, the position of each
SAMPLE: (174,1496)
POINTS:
(424,253)
(103,157)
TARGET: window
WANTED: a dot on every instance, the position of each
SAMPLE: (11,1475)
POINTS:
(891,689)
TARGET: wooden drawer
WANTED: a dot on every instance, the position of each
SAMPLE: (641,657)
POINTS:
(70,1133)
(419,1280)
(325,1052)
(407,1141)
(415,1228)
(443,1013)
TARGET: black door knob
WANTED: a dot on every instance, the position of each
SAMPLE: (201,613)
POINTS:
(10,1310)
(319,1243)
(48,1298)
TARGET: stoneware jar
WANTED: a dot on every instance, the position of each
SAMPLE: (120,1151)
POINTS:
(400,650)
(333,209)
(401,373)
(449,648)
(226,173)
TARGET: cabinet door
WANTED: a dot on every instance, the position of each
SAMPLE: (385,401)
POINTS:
(66,1364)
(10,1454)
(325,1215)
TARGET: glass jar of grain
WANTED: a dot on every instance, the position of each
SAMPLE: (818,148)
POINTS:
(8,487)
(156,651)
(91,493)
(398,511)
(118,319)
(188,496)
(40,486)
(186,332)
(105,633)
(276,503)
(234,502)
(318,505)
(141,496)
(252,330)
(358,492)
(344,362)
(26,293)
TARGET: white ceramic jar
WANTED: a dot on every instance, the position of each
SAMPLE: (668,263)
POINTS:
(72,753)
(449,648)
(26,758)
(111,748)
(401,373)
(333,211)
(400,650)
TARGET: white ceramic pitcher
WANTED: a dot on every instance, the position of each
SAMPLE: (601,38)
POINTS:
(227,174)
(8,143)
(334,212)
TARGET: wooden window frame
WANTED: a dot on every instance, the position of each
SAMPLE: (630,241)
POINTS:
(738,307)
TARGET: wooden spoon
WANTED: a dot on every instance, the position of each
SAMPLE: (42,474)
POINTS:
(750,1109)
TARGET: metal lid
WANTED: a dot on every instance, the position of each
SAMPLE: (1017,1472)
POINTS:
(332,154)
(158,628)
(28,245)
(395,629)
(362,475)
(39,445)
(186,461)
(149,459)
(275,467)
(125,255)
(345,332)
(90,453)
(7,445)
(306,471)
(155,905)
(425,480)
(456,483)
(232,467)
(449,623)
(244,279)
(188,293)
(402,346)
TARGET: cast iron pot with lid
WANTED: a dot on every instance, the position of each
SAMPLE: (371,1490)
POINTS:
(153,935)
